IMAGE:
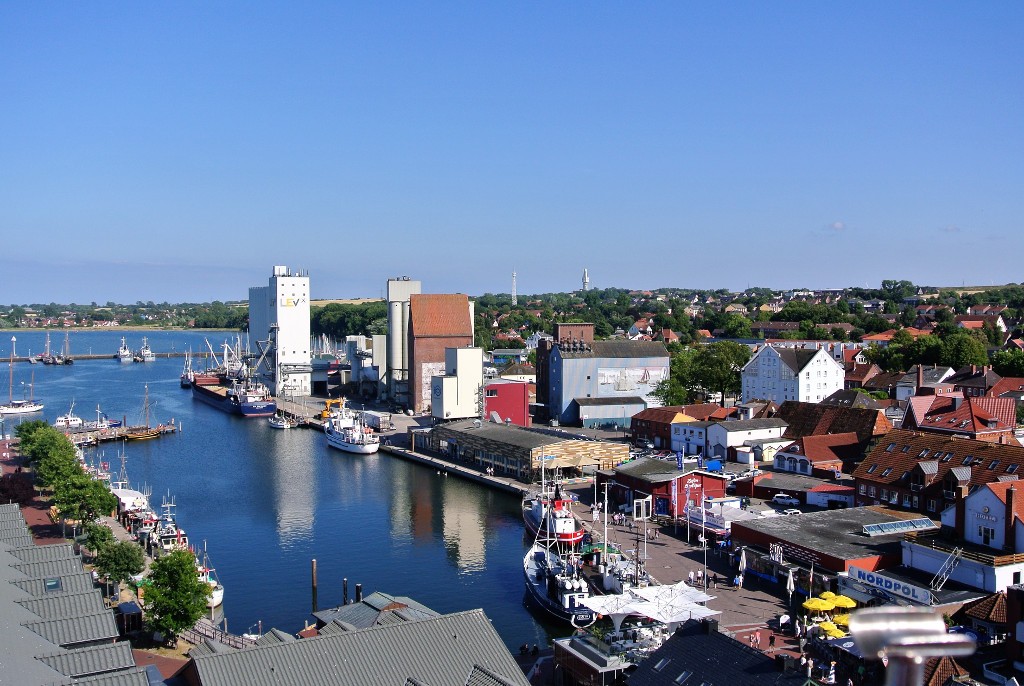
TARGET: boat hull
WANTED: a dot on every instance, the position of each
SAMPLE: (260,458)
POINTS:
(537,590)
(217,396)
(539,530)
(357,448)
(21,408)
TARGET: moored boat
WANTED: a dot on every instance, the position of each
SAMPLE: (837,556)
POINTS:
(547,515)
(208,575)
(346,431)
(234,388)
(145,353)
(124,353)
(281,421)
(22,406)
(69,420)
(556,584)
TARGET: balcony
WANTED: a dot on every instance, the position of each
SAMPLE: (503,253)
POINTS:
(971,551)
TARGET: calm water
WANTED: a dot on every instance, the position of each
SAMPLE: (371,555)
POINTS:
(267,502)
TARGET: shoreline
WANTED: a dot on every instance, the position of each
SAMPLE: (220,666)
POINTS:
(107,328)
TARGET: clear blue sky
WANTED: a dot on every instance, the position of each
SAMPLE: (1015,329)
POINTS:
(177,151)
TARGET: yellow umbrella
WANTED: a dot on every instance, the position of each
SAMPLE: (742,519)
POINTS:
(827,595)
(836,633)
(843,601)
(818,605)
(841,620)
(827,626)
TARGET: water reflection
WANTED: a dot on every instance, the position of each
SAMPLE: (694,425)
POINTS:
(293,486)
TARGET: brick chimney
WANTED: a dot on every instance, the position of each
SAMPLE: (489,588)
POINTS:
(1008,539)
(920,375)
(961,517)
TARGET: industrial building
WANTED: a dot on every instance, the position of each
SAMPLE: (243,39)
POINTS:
(436,322)
(458,393)
(396,376)
(279,323)
(583,382)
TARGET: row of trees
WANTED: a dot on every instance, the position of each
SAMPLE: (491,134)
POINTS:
(701,372)
(175,596)
(956,348)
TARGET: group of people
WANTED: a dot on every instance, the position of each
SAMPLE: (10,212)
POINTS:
(695,578)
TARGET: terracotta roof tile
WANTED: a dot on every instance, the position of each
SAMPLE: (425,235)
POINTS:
(991,608)
(433,315)
(808,419)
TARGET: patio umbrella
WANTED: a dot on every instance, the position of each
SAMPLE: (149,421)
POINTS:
(841,620)
(836,633)
(674,614)
(844,601)
(818,605)
(827,626)
(618,606)
(671,592)
(827,595)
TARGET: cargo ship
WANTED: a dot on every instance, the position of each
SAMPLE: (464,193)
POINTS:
(244,397)
(232,386)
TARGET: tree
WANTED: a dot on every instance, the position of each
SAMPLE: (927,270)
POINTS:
(717,367)
(120,561)
(737,326)
(962,349)
(82,497)
(98,537)
(678,388)
(176,597)
(1009,363)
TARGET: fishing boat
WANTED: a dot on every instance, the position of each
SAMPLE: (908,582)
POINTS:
(102,422)
(556,584)
(345,430)
(22,406)
(124,353)
(69,420)
(187,375)
(548,514)
(282,421)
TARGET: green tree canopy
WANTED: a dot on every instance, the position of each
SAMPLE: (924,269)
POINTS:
(120,561)
(1009,363)
(176,597)
(82,497)
(718,367)
(98,537)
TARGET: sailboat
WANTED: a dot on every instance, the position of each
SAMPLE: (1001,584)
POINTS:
(208,575)
(19,406)
(145,432)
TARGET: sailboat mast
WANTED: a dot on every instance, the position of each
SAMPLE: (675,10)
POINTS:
(10,366)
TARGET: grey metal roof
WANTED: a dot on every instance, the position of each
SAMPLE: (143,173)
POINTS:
(336,627)
(376,608)
(481,676)
(44,553)
(650,469)
(92,660)
(438,651)
(962,473)
(275,636)
(47,568)
(511,435)
(753,424)
(618,349)
(76,630)
(19,541)
(795,358)
(66,605)
(133,677)
(69,583)
(929,467)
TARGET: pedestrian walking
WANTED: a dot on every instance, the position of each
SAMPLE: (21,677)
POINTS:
(689,577)
(750,639)
(771,642)
(810,667)
(757,639)
(700,576)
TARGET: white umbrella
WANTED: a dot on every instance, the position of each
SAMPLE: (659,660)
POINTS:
(790,585)
(668,593)
(618,606)
(673,614)
(743,560)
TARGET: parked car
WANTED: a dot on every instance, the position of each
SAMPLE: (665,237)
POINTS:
(784,499)
(791,511)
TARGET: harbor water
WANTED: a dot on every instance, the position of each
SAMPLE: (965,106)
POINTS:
(266,502)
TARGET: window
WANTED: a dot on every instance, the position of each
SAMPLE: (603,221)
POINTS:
(884,493)
(889,448)
(887,471)
(52,584)
(872,468)
(871,491)
(684,676)
(947,457)
(968,459)
(491,393)
(930,505)
(923,453)
(905,449)
(993,464)
(862,489)
(1011,468)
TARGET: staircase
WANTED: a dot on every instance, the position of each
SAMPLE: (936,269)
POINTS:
(939,580)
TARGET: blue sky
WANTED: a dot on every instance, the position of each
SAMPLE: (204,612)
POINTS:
(177,151)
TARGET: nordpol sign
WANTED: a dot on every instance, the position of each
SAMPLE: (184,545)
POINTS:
(901,588)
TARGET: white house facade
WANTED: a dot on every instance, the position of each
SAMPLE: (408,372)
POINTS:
(781,374)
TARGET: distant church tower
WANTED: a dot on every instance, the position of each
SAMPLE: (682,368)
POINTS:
(586,280)
(514,289)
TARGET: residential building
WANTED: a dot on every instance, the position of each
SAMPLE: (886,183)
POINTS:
(820,456)
(814,419)
(983,419)
(928,472)
(746,440)
(919,377)
(781,374)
